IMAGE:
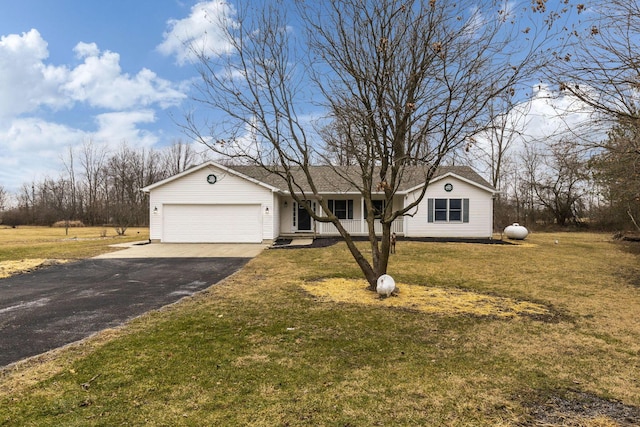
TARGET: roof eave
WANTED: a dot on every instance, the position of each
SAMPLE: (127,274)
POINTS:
(455,175)
(209,163)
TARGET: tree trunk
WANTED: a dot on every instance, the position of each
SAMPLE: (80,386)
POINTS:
(385,248)
(369,272)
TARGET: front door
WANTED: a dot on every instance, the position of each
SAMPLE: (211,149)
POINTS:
(304,219)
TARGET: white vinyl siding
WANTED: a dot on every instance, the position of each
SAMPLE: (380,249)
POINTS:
(476,216)
(193,190)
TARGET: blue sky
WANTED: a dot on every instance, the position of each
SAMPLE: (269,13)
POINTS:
(106,71)
(74,71)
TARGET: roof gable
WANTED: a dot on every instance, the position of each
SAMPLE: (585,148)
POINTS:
(469,176)
(209,164)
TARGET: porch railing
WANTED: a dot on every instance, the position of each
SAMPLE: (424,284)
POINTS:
(358,227)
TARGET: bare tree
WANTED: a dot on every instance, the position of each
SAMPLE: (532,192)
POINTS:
(4,198)
(92,160)
(59,200)
(496,151)
(601,69)
(340,147)
(405,83)
(178,157)
(27,203)
(558,177)
(602,73)
(69,189)
(617,170)
(96,186)
(123,168)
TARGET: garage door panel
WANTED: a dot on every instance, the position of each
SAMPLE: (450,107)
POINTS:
(212,224)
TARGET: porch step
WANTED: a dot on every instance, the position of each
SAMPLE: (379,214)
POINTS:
(304,235)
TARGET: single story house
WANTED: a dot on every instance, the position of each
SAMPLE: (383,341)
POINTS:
(213,203)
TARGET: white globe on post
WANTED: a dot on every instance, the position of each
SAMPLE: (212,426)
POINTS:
(385,285)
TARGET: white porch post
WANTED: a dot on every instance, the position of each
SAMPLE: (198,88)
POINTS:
(361,214)
(404,223)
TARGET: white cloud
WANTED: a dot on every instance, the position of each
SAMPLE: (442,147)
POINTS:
(95,90)
(114,128)
(199,32)
(26,83)
(32,148)
(551,116)
(546,117)
(100,82)
(34,135)
(84,50)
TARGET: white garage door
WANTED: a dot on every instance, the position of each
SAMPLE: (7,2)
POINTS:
(212,224)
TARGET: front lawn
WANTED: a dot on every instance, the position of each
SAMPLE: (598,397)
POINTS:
(27,247)
(269,348)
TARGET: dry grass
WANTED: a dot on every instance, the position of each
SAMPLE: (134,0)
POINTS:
(25,248)
(273,346)
(9,268)
(431,300)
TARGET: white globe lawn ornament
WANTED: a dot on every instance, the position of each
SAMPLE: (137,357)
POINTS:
(386,285)
(516,231)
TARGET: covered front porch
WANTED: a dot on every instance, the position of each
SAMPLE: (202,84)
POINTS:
(295,221)
(358,227)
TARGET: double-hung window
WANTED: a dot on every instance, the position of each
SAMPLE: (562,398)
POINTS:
(343,209)
(378,208)
(448,210)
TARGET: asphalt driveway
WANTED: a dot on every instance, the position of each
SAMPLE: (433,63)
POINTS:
(58,305)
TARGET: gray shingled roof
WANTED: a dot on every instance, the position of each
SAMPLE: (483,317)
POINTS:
(340,179)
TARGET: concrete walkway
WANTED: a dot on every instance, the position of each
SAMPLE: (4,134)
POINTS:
(301,242)
(185,250)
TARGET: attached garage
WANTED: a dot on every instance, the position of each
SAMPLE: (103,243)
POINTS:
(212,224)
(211,203)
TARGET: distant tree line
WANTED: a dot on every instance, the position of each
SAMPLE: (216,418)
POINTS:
(566,181)
(97,187)
(589,173)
